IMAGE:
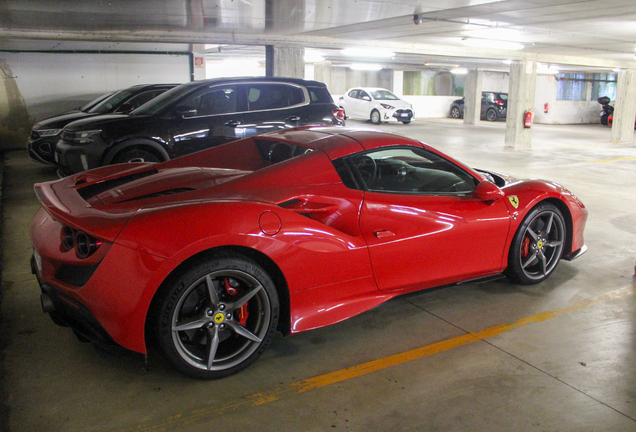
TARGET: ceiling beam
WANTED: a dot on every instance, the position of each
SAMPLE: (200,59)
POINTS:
(307,41)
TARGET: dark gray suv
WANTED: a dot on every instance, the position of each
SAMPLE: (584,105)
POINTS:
(195,116)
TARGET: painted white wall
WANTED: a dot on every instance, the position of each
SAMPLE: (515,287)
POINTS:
(495,81)
(561,111)
(234,68)
(54,83)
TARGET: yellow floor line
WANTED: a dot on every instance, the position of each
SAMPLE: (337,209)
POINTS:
(306,385)
(610,160)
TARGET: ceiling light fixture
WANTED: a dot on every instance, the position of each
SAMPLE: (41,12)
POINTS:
(507,61)
(365,66)
(368,52)
(491,43)
(459,71)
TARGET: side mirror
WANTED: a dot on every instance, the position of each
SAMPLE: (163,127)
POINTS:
(487,192)
(366,98)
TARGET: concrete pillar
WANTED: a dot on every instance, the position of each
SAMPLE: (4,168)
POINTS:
(15,122)
(398,83)
(624,107)
(198,66)
(284,62)
(521,94)
(472,97)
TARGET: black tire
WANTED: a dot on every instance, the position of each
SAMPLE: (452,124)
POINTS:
(604,119)
(217,317)
(406,121)
(537,246)
(455,112)
(491,115)
(375,117)
(135,154)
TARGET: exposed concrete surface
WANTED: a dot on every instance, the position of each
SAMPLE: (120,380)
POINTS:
(558,356)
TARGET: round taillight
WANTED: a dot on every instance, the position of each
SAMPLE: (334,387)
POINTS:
(68,239)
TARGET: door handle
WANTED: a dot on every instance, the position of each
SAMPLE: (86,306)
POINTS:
(292,119)
(233,123)
(383,234)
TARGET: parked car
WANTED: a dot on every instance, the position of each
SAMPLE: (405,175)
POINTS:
(46,133)
(494,106)
(208,254)
(375,104)
(195,116)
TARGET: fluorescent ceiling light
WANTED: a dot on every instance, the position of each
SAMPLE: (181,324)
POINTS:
(441,64)
(617,69)
(368,52)
(459,71)
(491,43)
(507,61)
(365,66)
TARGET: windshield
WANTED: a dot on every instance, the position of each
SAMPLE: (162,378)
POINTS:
(154,106)
(111,103)
(94,102)
(383,95)
(503,96)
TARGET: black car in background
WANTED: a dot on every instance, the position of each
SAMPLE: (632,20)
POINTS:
(195,116)
(493,106)
(46,133)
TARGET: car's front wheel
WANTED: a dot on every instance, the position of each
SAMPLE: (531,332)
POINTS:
(491,115)
(376,118)
(217,317)
(537,246)
(455,112)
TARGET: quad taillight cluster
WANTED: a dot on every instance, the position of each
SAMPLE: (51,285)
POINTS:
(84,244)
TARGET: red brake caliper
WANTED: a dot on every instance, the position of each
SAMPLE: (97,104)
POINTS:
(525,247)
(241,313)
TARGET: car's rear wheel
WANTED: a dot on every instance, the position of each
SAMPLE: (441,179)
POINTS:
(537,246)
(491,115)
(455,112)
(376,118)
(604,119)
(136,154)
(217,317)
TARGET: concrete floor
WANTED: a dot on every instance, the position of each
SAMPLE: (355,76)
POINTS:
(559,356)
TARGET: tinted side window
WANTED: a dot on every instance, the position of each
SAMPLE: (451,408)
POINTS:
(216,100)
(353,94)
(410,170)
(319,95)
(272,96)
(140,99)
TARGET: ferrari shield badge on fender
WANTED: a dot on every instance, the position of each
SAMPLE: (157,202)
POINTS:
(514,200)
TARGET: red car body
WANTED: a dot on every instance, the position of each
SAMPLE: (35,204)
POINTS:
(332,250)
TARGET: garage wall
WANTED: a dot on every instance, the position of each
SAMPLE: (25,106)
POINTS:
(562,111)
(54,83)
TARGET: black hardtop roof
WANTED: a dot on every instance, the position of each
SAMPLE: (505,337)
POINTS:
(298,81)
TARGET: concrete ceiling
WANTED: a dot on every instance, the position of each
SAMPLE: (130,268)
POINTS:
(572,34)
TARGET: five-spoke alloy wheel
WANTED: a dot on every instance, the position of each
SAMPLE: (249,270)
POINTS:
(537,246)
(218,317)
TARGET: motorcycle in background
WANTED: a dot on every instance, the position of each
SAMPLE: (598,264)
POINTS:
(607,111)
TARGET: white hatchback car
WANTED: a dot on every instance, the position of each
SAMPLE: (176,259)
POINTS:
(375,104)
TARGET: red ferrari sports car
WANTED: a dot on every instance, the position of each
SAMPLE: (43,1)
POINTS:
(208,254)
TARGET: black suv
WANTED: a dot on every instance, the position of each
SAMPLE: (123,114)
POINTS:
(493,106)
(195,116)
(46,133)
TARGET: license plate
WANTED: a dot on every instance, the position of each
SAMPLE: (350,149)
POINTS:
(404,115)
(38,261)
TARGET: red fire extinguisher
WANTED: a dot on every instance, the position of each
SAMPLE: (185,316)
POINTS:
(545,108)
(527,118)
